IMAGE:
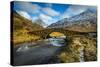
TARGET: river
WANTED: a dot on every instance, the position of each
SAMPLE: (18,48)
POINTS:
(40,52)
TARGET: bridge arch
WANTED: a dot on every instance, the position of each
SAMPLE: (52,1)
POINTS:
(55,34)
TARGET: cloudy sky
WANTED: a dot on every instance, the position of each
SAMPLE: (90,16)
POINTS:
(49,13)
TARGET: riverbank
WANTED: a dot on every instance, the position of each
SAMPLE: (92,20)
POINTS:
(22,36)
(80,49)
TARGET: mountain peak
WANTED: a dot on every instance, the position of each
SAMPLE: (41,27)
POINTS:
(91,10)
(87,14)
(88,11)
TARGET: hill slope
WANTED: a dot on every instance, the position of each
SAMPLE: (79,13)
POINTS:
(20,22)
(21,26)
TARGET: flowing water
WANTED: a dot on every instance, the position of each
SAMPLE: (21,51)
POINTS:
(41,53)
(51,41)
(27,53)
(82,54)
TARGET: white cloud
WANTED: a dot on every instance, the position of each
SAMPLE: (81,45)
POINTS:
(74,10)
(46,14)
(24,14)
(27,6)
(45,18)
(51,12)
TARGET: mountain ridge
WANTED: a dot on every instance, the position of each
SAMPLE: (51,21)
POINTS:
(83,22)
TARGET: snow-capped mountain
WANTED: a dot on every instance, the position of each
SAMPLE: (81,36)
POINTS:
(86,15)
(60,23)
(86,20)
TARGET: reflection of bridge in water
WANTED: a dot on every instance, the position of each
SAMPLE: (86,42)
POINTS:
(44,33)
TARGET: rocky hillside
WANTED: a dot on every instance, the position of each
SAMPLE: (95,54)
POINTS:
(83,22)
(21,26)
(19,22)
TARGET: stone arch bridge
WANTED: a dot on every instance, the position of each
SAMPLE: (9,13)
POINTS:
(45,32)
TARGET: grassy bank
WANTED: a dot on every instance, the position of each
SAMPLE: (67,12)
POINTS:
(71,53)
(21,36)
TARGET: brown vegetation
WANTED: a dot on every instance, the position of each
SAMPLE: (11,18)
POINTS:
(71,53)
(21,27)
